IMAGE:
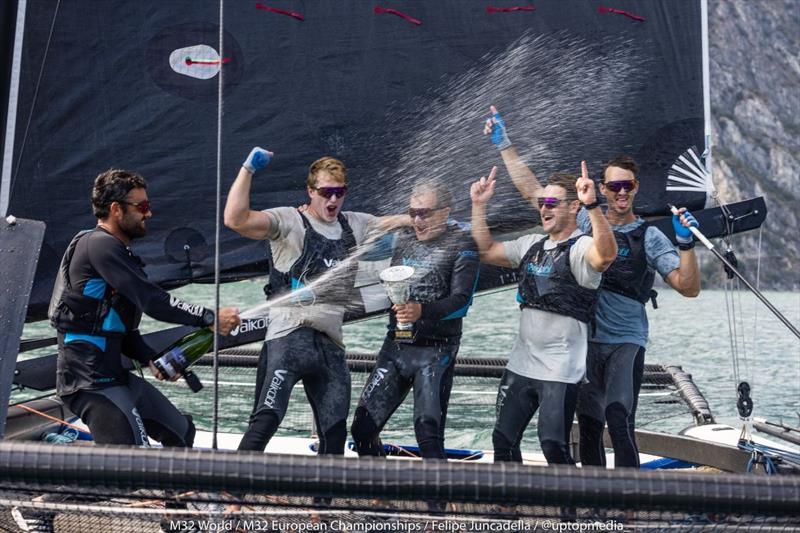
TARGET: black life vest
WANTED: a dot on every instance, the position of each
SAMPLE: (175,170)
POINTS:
(629,274)
(71,311)
(433,263)
(546,283)
(318,257)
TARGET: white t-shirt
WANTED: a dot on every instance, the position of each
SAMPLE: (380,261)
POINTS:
(286,243)
(552,347)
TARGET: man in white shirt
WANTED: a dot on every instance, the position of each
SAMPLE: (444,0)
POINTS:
(310,284)
(559,275)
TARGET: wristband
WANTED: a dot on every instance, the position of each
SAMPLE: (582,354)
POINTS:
(685,245)
(208,318)
(591,206)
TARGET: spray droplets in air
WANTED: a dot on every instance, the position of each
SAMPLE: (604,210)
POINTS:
(564,100)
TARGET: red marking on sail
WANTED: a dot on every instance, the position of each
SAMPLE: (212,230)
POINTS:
(602,9)
(190,61)
(492,9)
(292,14)
(412,20)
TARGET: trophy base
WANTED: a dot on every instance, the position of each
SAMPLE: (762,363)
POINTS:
(404,335)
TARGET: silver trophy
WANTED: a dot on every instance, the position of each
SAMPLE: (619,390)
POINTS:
(396,280)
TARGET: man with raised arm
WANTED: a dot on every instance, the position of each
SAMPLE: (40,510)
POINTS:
(615,360)
(445,262)
(310,282)
(559,273)
(97,305)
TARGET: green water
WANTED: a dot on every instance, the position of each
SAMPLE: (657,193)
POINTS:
(693,333)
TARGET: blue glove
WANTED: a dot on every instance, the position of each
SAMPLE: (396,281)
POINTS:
(258,159)
(499,134)
(683,234)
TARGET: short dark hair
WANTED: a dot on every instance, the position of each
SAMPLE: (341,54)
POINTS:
(567,181)
(625,162)
(111,186)
(444,198)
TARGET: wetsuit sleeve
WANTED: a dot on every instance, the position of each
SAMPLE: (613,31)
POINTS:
(120,270)
(462,285)
(135,347)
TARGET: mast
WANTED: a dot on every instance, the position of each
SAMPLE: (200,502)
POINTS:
(11,115)
(711,192)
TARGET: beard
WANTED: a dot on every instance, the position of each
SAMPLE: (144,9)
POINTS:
(133,226)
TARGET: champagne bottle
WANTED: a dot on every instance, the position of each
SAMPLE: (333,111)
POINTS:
(180,355)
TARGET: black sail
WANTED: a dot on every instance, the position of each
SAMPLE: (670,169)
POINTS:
(395,100)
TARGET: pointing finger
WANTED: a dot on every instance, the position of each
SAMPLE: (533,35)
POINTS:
(584,170)
(492,174)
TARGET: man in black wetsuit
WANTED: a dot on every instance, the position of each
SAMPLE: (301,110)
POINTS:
(98,300)
(445,259)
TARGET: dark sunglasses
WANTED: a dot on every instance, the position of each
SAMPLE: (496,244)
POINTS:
(552,203)
(143,207)
(327,192)
(616,186)
(422,212)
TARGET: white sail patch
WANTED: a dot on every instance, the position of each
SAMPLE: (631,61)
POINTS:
(199,61)
(688,173)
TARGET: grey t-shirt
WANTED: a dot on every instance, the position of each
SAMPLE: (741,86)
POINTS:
(620,319)
(286,243)
(552,347)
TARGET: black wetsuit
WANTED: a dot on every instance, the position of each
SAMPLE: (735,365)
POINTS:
(97,316)
(305,353)
(446,274)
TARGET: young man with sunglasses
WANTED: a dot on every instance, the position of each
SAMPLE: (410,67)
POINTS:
(100,294)
(445,262)
(615,360)
(559,274)
(311,284)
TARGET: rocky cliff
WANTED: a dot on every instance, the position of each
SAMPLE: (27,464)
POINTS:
(754,48)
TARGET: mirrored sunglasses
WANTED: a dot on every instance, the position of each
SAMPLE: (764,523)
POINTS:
(327,192)
(550,202)
(616,186)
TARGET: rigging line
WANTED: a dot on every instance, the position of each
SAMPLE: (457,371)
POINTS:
(35,95)
(734,360)
(758,286)
(215,416)
(52,418)
(742,330)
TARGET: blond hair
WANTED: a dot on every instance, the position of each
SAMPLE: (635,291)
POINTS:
(331,165)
